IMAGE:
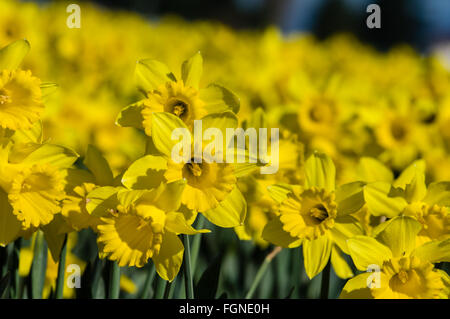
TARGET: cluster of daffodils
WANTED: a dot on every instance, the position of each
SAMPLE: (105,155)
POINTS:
(363,148)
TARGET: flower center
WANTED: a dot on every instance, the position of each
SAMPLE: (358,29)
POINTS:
(4,97)
(435,219)
(402,276)
(179,108)
(308,214)
(195,169)
(398,131)
(408,277)
(319,213)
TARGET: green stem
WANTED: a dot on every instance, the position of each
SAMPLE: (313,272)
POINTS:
(61,271)
(160,288)
(325,286)
(148,282)
(187,269)
(3,261)
(114,280)
(261,271)
(96,277)
(168,289)
(39,266)
(14,269)
(196,242)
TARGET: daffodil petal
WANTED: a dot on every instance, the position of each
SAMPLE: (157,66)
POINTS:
(176,223)
(400,235)
(170,257)
(372,170)
(150,74)
(438,193)
(416,189)
(54,236)
(350,198)
(31,135)
(131,116)
(191,70)
(339,264)
(219,99)
(357,288)
(279,192)
(9,224)
(378,201)
(434,251)
(345,227)
(163,124)
(55,155)
(12,55)
(366,251)
(316,254)
(101,200)
(408,173)
(273,232)
(170,197)
(230,212)
(320,172)
(145,173)
(98,165)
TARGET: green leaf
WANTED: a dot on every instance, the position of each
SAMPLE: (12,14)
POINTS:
(12,55)
(191,70)
(98,165)
(4,285)
(206,287)
(150,74)
(39,266)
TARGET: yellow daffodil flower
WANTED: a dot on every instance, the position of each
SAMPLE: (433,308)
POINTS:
(402,269)
(317,216)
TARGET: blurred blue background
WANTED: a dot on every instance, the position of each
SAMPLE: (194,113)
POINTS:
(420,23)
